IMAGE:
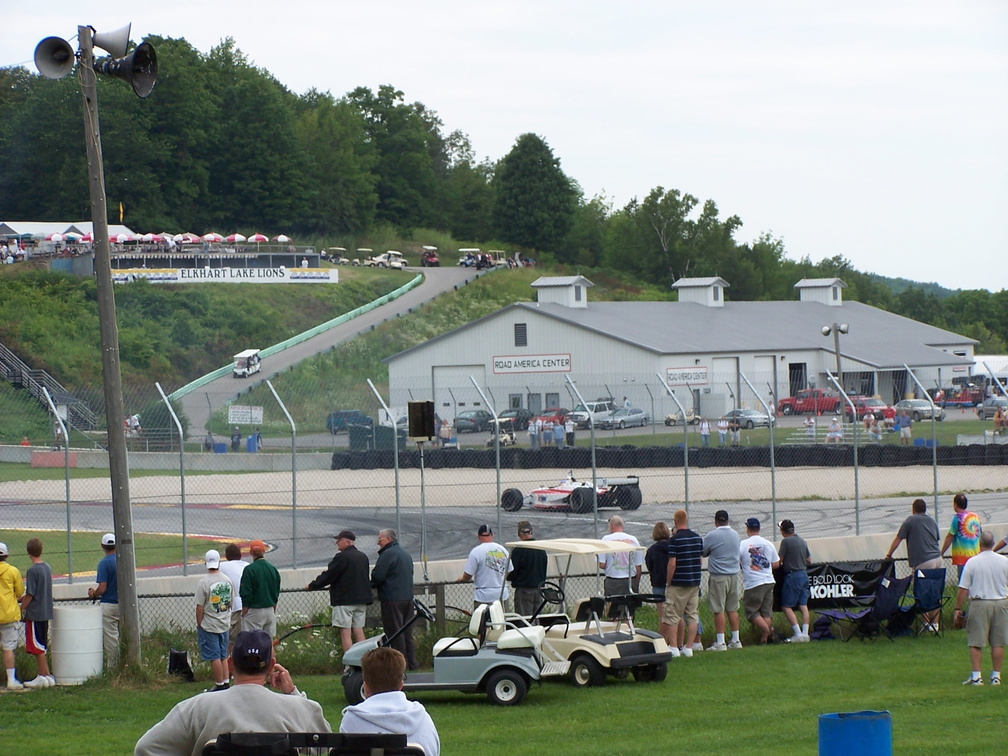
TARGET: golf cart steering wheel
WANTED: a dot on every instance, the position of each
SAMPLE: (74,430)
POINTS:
(549,593)
(423,610)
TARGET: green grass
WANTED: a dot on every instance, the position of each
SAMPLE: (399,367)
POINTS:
(760,700)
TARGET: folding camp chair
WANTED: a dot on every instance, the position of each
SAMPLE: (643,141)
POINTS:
(929,601)
(883,617)
(310,744)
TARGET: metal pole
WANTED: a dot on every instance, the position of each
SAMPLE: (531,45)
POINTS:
(857,489)
(685,446)
(493,411)
(773,466)
(654,429)
(122,514)
(423,515)
(66,476)
(836,350)
(591,427)
(934,437)
(395,452)
(181,439)
(293,475)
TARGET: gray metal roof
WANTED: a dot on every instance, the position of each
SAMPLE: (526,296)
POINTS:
(819,283)
(558,281)
(699,283)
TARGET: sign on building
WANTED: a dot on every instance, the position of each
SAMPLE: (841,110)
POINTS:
(245,414)
(691,376)
(532,363)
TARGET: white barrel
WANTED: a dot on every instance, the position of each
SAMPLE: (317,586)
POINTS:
(76,643)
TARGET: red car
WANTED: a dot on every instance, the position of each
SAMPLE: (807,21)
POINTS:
(555,415)
(866,404)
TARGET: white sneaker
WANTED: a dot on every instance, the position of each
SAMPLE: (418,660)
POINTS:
(37,682)
(717,647)
(13,684)
(50,681)
(973,681)
(698,646)
(995,680)
(734,644)
(674,651)
(805,638)
(687,652)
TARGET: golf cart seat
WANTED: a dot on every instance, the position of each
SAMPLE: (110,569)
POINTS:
(523,637)
(466,645)
(302,743)
(587,607)
(498,623)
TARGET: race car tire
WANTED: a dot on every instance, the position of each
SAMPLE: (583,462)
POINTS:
(629,497)
(353,687)
(511,500)
(506,687)
(586,671)
(581,500)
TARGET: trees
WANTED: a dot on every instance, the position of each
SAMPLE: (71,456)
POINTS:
(535,200)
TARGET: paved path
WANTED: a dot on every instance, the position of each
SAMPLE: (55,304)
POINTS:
(215,394)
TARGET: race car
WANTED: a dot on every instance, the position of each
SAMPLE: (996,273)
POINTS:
(576,496)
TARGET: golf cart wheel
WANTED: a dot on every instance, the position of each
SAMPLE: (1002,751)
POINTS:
(659,672)
(669,421)
(506,687)
(353,687)
(629,497)
(643,674)
(511,500)
(581,500)
(585,671)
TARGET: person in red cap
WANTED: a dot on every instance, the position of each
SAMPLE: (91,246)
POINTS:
(260,592)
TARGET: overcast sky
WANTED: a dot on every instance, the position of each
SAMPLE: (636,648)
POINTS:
(872,130)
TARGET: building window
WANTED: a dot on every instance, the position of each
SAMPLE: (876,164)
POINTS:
(717,293)
(836,293)
(577,293)
(521,334)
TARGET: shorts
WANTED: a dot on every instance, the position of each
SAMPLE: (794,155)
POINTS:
(795,589)
(681,603)
(723,593)
(212,646)
(260,618)
(36,636)
(904,433)
(987,623)
(236,626)
(349,615)
(930,564)
(9,636)
(758,601)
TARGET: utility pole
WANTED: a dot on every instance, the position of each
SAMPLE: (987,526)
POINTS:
(122,514)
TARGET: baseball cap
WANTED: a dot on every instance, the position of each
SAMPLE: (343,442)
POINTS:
(108,539)
(787,526)
(721,515)
(257,544)
(3,549)
(524,526)
(752,523)
(348,534)
(484,530)
(212,559)
(252,650)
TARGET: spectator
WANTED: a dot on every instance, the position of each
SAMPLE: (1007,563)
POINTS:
(528,572)
(704,431)
(214,594)
(235,439)
(682,593)
(875,431)
(656,561)
(834,433)
(392,577)
(107,594)
(985,581)
(11,590)
(558,433)
(722,430)
(260,592)
(37,607)
(570,428)
(963,534)
(920,531)
(486,566)
(902,424)
(233,567)
(247,706)
(734,430)
(758,558)
(385,708)
(347,577)
(810,429)
(794,560)
(622,569)
(533,434)
(721,547)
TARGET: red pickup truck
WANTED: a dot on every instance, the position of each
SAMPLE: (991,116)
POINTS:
(811,401)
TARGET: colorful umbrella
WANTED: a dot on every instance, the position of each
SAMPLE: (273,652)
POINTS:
(283,238)
(235,238)
(151,238)
(54,237)
(213,237)
(257,238)
(123,238)
(88,237)
(187,238)
(73,236)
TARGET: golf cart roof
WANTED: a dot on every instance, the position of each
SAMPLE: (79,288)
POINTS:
(245,354)
(575,546)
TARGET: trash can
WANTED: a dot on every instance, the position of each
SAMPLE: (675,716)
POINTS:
(251,445)
(220,448)
(866,733)
(76,643)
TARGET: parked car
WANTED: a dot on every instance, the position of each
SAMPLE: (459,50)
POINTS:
(749,418)
(520,417)
(555,415)
(812,400)
(599,410)
(570,495)
(918,409)
(626,417)
(341,420)
(869,404)
(986,409)
(673,418)
(473,421)
(429,258)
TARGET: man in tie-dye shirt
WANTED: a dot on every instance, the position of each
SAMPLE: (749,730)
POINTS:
(963,534)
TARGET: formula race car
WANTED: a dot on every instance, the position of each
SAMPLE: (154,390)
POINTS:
(576,496)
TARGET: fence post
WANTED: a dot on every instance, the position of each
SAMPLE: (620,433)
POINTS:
(293,475)
(591,425)
(181,441)
(773,466)
(493,411)
(934,437)
(66,475)
(395,451)
(685,446)
(857,492)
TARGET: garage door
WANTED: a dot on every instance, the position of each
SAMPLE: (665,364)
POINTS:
(454,391)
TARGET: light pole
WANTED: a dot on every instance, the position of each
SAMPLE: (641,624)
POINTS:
(836,329)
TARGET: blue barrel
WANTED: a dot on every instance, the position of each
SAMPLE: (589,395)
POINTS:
(865,733)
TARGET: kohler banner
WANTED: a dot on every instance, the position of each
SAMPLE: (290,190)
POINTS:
(841,584)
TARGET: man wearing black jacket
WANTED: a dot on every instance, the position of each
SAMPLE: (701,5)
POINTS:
(393,579)
(349,588)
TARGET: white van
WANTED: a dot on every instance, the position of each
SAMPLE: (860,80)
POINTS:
(246,363)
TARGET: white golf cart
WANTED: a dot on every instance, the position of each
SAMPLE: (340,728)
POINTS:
(246,363)
(496,657)
(596,640)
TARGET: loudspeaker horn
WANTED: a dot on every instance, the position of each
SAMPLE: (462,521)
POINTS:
(115,42)
(138,69)
(54,58)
